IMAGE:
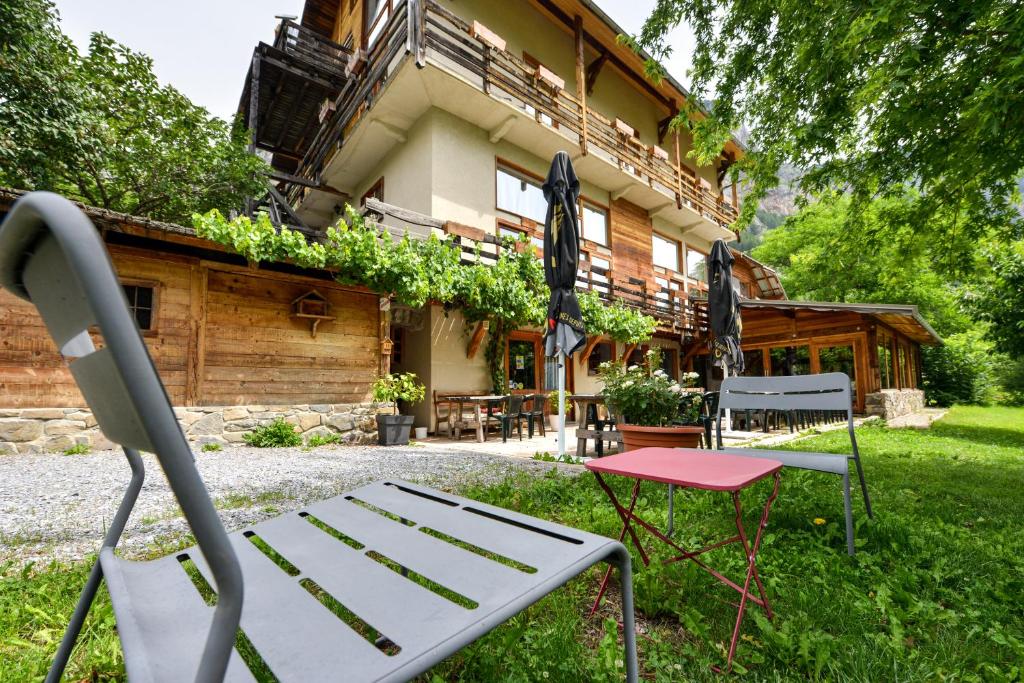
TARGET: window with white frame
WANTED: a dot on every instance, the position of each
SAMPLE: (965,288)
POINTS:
(595,223)
(520,195)
(666,252)
(696,265)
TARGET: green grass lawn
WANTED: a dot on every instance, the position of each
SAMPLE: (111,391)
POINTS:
(934,592)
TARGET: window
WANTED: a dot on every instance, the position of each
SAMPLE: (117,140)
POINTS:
(696,265)
(595,223)
(885,363)
(666,252)
(600,353)
(376,191)
(903,375)
(753,363)
(141,302)
(376,13)
(839,359)
(790,360)
(521,195)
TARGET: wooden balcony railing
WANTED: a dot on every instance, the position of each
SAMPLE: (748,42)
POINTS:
(428,30)
(311,47)
(674,310)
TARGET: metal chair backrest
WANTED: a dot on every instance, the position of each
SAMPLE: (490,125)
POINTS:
(52,256)
(830,391)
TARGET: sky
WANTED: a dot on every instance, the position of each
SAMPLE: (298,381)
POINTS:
(203,47)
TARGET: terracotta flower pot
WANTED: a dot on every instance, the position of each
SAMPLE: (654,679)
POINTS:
(683,436)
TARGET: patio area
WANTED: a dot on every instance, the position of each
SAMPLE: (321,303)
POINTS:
(925,596)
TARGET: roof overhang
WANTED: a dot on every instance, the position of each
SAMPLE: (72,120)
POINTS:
(766,277)
(905,319)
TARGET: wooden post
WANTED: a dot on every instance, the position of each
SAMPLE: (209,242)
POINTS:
(581,84)
(415,24)
(384,334)
(679,174)
(254,101)
(195,359)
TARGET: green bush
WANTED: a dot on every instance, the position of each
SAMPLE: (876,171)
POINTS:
(211,447)
(963,370)
(1013,383)
(318,440)
(277,434)
(77,449)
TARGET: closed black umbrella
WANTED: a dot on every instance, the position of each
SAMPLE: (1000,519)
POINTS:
(724,310)
(563,333)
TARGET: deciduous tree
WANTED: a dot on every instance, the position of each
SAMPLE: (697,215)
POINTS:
(864,96)
(100,128)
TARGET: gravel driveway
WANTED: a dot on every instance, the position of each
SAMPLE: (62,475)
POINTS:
(58,507)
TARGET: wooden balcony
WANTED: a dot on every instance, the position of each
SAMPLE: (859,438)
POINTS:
(431,34)
(674,311)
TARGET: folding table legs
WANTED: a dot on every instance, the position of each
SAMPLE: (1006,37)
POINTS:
(749,550)
(751,555)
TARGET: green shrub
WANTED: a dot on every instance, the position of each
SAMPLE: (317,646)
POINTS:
(1013,383)
(277,434)
(962,370)
(77,449)
(211,447)
(318,440)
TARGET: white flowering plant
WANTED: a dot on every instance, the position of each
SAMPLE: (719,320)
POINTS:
(645,396)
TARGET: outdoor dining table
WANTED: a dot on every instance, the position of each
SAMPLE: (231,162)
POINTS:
(478,403)
(587,406)
(696,469)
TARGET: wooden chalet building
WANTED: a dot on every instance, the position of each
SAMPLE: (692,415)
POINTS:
(443,117)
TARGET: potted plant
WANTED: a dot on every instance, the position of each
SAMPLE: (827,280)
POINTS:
(553,414)
(393,430)
(652,408)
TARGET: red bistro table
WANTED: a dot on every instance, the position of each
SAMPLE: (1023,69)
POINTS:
(696,469)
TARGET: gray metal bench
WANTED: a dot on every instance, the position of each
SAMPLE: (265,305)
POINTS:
(831,392)
(379,584)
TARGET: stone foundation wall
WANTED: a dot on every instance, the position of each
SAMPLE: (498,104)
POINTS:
(890,403)
(40,430)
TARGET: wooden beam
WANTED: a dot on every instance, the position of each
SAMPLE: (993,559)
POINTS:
(581,82)
(477,338)
(628,351)
(195,359)
(679,174)
(589,348)
(594,70)
(696,346)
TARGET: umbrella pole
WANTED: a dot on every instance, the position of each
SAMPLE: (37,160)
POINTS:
(728,413)
(561,404)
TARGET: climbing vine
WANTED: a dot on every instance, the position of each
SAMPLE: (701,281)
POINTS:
(509,294)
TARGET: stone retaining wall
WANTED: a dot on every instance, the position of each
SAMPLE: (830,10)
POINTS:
(38,430)
(890,403)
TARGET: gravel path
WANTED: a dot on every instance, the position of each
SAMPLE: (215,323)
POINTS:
(57,507)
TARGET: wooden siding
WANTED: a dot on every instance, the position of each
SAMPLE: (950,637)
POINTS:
(349,20)
(632,252)
(222,336)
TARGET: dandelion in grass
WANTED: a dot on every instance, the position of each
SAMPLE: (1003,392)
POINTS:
(818,521)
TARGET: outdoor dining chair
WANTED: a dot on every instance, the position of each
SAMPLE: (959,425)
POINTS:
(831,391)
(427,572)
(510,414)
(535,416)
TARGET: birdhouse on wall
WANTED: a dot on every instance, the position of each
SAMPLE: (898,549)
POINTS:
(314,307)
